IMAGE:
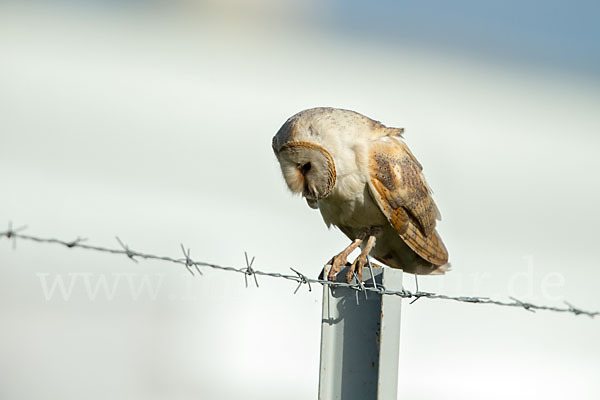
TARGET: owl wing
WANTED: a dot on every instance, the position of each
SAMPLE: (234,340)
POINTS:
(399,188)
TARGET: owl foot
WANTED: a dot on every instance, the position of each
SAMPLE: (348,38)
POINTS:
(358,264)
(340,260)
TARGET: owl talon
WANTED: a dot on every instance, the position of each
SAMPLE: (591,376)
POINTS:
(360,262)
(337,262)
(357,266)
(340,260)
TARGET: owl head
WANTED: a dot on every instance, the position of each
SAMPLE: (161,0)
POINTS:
(307,166)
(308,143)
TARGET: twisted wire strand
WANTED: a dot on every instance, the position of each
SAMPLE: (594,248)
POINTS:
(298,277)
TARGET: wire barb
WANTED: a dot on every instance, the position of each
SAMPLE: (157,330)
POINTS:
(302,279)
(574,310)
(526,306)
(297,277)
(74,242)
(249,271)
(13,233)
(126,249)
(371,272)
(189,263)
(361,287)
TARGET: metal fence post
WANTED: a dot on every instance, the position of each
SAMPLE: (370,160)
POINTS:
(360,340)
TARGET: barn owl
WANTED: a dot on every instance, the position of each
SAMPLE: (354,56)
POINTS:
(364,180)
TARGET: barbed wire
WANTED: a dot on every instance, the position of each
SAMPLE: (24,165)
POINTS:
(248,271)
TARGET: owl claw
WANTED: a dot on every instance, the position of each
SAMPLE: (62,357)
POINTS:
(337,262)
(360,262)
(357,266)
(340,260)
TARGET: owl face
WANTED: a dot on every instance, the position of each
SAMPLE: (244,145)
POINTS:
(307,168)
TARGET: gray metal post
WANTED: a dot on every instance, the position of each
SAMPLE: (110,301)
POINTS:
(360,343)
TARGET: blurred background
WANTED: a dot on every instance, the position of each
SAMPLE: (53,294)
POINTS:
(153,121)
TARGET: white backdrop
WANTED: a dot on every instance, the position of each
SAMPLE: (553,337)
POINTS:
(155,125)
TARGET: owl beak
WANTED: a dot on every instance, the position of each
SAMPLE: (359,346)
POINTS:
(309,193)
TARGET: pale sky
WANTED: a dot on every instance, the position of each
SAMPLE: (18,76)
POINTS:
(155,124)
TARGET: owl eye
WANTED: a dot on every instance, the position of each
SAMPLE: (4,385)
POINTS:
(306,167)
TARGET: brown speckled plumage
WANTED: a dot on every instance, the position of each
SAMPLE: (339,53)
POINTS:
(401,192)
